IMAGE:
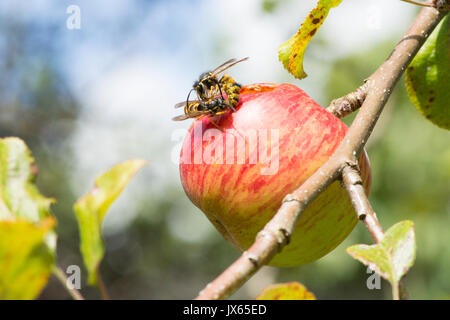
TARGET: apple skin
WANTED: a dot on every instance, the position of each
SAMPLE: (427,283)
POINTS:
(239,200)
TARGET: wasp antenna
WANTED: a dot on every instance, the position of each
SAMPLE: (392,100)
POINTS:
(187,99)
(223,64)
(219,69)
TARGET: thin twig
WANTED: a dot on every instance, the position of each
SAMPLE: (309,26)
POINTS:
(277,232)
(61,276)
(352,182)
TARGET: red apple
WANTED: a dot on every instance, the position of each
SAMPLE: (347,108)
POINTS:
(238,167)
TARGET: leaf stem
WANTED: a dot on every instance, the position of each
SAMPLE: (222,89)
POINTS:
(61,276)
(102,288)
(395,291)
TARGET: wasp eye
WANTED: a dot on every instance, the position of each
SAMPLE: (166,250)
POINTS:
(204,75)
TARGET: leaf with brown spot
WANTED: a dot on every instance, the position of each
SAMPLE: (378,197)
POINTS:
(291,52)
(286,291)
(427,78)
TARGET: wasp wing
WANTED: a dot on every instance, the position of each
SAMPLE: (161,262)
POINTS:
(188,116)
(181,118)
(180,104)
(183,103)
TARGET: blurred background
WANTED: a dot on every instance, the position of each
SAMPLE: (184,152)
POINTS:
(85,99)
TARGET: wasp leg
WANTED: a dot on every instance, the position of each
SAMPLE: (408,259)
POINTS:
(215,124)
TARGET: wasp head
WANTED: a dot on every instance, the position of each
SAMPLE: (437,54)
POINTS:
(199,87)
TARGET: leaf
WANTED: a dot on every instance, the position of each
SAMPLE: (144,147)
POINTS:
(393,256)
(19,197)
(286,291)
(291,52)
(27,241)
(25,260)
(427,78)
(91,209)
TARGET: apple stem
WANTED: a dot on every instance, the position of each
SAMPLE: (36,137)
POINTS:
(278,230)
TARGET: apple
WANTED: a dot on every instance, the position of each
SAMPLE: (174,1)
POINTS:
(237,168)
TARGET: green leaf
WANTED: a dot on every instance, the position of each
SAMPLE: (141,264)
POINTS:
(19,197)
(27,241)
(25,260)
(291,52)
(286,291)
(428,77)
(91,209)
(393,256)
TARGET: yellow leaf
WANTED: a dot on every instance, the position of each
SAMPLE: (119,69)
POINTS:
(286,291)
(25,260)
(291,52)
(92,207)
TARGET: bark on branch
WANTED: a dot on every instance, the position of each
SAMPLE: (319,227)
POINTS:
(349,103)
(351,179)
(277,232)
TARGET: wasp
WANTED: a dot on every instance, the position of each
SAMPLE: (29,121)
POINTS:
(210,91)
(199,108)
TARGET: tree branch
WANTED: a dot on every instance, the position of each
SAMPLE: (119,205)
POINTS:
(349,103)
(277,231)
(351,179)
